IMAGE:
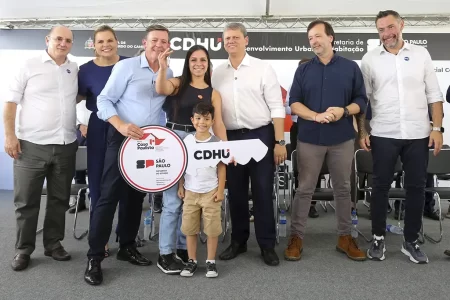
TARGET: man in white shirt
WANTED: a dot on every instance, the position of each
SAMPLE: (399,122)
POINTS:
(45,88)
(401,83)
(252,108)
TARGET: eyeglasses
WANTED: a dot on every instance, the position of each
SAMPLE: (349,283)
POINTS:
(60,39)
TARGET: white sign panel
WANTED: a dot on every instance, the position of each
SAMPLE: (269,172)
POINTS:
(154,163)
(203,155)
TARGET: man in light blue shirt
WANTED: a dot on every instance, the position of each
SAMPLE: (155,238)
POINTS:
(129,97)
(128,102)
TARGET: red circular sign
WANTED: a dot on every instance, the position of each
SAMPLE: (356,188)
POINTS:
(154,163)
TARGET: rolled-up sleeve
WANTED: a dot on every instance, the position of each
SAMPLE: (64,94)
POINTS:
(113,91)
(272,93)
(296,92)
(359,95)
(17,85)
(432,89)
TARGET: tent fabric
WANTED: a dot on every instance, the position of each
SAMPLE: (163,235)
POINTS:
(27,9)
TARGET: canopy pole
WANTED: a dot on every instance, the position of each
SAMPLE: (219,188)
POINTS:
(267,8)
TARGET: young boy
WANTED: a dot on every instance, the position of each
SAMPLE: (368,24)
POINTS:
(202,195)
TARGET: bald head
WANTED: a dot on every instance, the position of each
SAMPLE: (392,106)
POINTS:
(59,43)
(61,30)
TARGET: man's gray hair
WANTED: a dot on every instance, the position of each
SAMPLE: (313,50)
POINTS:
(236,26)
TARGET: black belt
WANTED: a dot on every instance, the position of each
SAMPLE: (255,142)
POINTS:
(240,130)
(245,130)
(185,128)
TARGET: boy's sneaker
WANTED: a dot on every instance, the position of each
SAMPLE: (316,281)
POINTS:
(211,270)
(169,264)
(182,256)
(189,269)
(377,249)
(412,250)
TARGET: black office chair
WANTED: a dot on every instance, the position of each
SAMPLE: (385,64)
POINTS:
(438,165)
(77,189)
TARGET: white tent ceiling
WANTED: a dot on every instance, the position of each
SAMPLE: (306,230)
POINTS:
(26,9)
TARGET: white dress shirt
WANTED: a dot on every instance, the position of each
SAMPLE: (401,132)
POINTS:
(251,95)
(46,97)
(399,88)
(83,114)
(288,108)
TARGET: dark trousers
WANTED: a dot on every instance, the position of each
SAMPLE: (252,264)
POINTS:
(158,199)
(293,139)
(96,149)
(429,199)
(261,175)
(56,163)
(414,157)
(113,188)
(80,176)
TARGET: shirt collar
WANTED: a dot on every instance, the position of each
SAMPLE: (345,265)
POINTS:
(45,57)
(333,59)
(406,46)
(144,61)
(245,61)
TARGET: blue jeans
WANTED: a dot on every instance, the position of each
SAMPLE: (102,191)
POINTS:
(170,235)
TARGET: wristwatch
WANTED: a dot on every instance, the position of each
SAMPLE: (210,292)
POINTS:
(346,112)
(281,142)
(440,129)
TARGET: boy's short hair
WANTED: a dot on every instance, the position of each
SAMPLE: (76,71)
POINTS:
(203,108)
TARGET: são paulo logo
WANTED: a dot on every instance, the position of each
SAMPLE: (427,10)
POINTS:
(147,163)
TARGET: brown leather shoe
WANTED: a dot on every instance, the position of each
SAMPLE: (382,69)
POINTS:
(294,249)
(347,244)
(20,262)
(58,254)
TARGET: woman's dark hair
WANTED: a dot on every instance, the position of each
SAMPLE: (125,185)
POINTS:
(186,76)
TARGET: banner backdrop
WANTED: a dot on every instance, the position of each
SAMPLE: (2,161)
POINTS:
(282,50)
(264,45)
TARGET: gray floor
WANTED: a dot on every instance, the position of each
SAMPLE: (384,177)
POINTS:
(323,273)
